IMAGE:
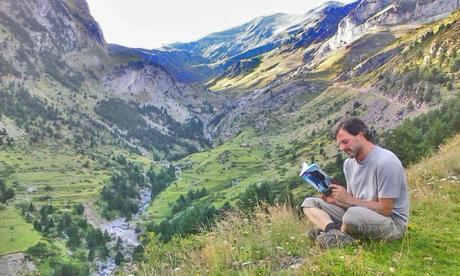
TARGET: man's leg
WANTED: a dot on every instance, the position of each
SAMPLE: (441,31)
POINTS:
(321,213)
(362,222)
(327,217)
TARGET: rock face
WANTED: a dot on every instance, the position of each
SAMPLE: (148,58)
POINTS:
(204,59)
(16,264)
(370,14)
(152,84)
(51,24)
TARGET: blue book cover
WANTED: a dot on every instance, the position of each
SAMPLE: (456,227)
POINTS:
(314,176)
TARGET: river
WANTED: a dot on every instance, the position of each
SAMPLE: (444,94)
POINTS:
(126,231)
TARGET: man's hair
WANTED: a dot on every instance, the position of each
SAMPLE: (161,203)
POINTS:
(353,126)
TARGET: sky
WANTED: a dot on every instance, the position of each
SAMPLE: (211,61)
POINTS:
(151,23)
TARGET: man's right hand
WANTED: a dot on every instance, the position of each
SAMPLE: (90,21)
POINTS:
(328,199)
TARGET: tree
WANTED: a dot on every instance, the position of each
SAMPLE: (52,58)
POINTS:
(5,192)
(79,208)
(119,258)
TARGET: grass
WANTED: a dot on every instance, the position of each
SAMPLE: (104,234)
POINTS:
(15,233)
(60,175)
(274,154)
(274,241)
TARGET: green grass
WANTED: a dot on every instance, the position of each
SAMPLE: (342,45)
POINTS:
(254,156)
(57,173)
(274,241)
(15,233)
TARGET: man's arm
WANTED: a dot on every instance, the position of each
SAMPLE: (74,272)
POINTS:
(340,197)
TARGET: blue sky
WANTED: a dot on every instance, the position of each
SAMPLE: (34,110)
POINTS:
(151,23)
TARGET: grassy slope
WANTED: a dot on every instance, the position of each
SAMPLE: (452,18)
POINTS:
(15,233)
(275,242)
(274,154)
(61,179)
(272,65)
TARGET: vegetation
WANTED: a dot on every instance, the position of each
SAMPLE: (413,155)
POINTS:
(120,196)
(5,193)
(128,116)
(275,239)
(421,136)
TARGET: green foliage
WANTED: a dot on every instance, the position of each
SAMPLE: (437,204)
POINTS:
(256,195)
(79,208)
(5,192)
(190,221)
(455,65)
(416,138)
(66,268)
(42,250)
(183,202)
(160,181)
(119,258)
(128,116)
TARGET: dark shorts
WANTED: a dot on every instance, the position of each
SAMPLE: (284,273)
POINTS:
(360,221)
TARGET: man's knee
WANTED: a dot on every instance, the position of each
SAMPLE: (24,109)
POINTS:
(311,202)
(353,220)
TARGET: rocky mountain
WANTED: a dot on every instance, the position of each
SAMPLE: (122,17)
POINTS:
(212,55)
(96,130)
(366,28)
(61,45)
(370,15)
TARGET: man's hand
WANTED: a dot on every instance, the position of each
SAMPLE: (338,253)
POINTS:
(340,194)
(328,199)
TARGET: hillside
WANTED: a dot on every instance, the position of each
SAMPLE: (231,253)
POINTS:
(274,239)
(102,144)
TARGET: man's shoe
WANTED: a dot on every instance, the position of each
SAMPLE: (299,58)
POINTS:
(314,233)
(333,238)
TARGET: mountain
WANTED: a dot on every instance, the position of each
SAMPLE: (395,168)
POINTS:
(102,138)
(64,47)
(210,56)
(364,26)
(369,15)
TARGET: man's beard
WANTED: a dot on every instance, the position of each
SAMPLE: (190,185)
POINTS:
(352,153)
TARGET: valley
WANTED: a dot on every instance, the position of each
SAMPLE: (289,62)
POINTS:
(110,154)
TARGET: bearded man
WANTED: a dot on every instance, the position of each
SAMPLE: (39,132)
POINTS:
(375,204)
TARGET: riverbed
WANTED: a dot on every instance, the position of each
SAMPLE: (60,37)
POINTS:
(124,230)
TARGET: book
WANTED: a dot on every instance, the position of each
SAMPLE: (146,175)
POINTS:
(318,179)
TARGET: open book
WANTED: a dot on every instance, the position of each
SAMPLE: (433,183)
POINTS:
(316,178)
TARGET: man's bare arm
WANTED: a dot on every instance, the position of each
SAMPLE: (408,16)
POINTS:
(383,206)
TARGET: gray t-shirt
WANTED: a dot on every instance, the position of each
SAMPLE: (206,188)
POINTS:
(380,175)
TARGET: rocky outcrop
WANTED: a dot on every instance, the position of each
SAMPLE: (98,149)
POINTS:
(16,264)
(148,82)
(371,64)
(370,14)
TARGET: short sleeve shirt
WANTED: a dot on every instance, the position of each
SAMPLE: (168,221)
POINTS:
(380,175)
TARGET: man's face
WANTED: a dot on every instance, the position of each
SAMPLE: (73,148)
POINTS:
(351,145)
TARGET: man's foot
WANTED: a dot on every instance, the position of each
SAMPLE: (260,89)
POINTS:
(313,233)
(333,238)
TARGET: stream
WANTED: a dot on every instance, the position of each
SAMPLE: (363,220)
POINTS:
(126,231)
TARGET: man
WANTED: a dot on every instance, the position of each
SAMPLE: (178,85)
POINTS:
(375,204)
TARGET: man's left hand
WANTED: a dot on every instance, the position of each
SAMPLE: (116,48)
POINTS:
(339,193)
